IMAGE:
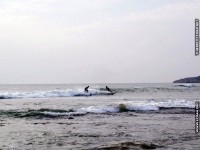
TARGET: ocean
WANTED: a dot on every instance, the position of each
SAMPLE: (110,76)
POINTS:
(64,97)
(41,114)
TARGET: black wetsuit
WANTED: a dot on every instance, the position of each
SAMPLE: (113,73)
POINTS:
(108,89)
(86,89)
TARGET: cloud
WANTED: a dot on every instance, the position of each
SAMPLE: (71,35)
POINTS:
(76,41)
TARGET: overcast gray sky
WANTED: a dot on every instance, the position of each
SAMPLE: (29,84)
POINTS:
(95,41)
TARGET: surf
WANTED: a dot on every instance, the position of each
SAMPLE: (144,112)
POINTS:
(53,94)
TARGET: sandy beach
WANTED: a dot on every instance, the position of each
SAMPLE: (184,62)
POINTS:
(127,130)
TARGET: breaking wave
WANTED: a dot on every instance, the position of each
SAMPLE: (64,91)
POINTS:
(99,91)
(53,94)
(186,85)
(147,106)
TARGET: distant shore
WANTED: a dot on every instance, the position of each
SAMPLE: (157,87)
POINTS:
(188,80)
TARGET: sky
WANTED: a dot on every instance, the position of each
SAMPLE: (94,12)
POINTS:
(97,41)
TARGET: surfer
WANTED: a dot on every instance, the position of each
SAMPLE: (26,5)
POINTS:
(86,89)
(108,89)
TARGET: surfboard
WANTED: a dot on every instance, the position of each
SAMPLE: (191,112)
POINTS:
(107,93)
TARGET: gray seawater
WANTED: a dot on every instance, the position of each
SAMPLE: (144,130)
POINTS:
(65,117)
(58,100)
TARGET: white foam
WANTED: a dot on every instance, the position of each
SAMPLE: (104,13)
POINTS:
(186,85)
(142,108)
(155,105)
(54,93)
(98,109)
(176,103)
(144,105)
(115,108)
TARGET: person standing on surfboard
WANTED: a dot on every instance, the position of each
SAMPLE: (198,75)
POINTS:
(86,89)
(108,89)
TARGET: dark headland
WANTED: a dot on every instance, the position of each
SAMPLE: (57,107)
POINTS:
(188,80)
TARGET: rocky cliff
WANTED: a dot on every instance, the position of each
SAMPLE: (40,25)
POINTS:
(188,80)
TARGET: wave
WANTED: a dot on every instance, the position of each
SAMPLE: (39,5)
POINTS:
(176,88)
(186,85)
(147,106)
(53,94)
(97,91)
(40,113)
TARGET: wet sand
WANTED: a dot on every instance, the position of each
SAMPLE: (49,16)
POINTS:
(128,130)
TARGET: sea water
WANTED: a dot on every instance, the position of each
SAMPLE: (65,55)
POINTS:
(56,100)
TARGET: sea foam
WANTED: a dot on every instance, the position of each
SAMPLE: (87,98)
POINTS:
(52,94)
